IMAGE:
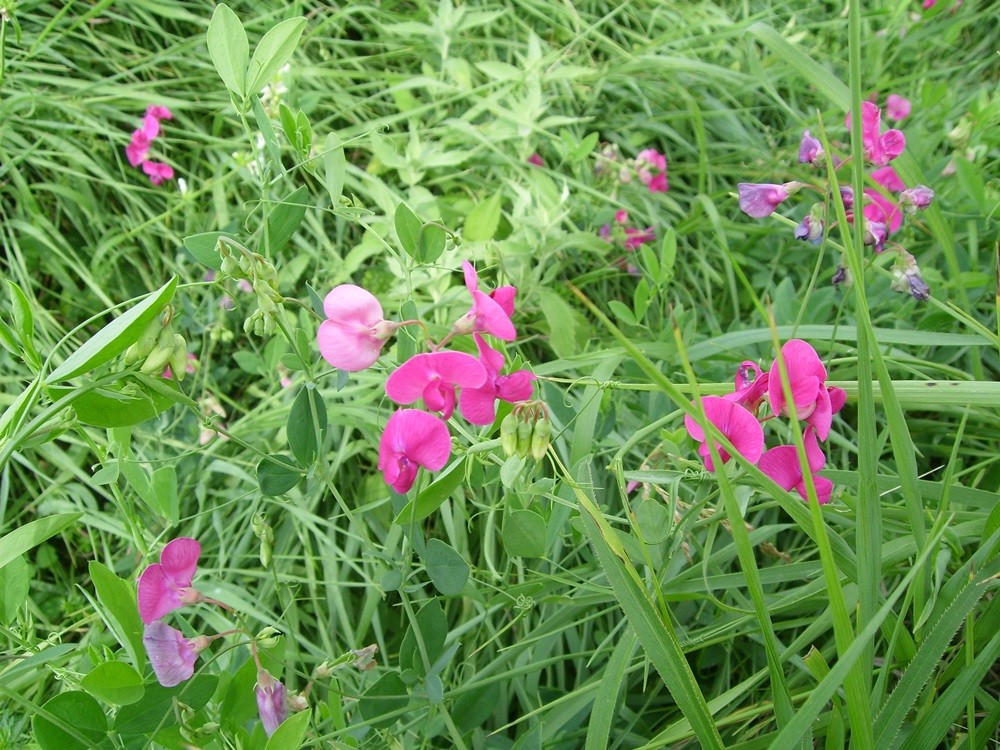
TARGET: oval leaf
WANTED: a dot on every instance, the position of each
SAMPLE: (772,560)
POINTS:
(71,721)
(386,696)
(407,229)
(114,682)
(276,475)
(524,534)
(290,734)
(205,248)
(335,168)
(229,49)
(430,243)
(115,405)
(273,51)
(447,569)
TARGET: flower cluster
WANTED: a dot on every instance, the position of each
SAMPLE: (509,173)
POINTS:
(649,167)
(352,338)
(137,150)
(161,351)
(802,393)
(882,208)
(257,274)
(627,238)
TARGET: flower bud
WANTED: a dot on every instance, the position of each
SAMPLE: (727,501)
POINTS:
(178,358)
(524,430)
(508,435)
(541,435)
(230,266)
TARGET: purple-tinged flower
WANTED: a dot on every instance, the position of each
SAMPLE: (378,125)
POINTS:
(916,199)
(847,196)
(651,166)
(812,225)
(171,654)
(842,276)
(138,148)
(478,405)
(760,199)
(814,401)
(896,107)
(783,466)
(412,438)
(875,235)
(737,424)
(811,150)
(907,278)
(159,112)
(166,585)
(272,701)
(158,171)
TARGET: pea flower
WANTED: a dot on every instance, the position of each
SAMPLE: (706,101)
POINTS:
(171,654)
(738,425)
(908,278)
(811,150)
(434,376)
(490,313)
(916,199)
(896,107)
(159,112)
(760,199)
(811,227)
(814,401)
(353,335)
(783,466)
(412,438)
(536,160)
(138,148)
(478,405)
(651,166)
(272,701)
(880,148)
(751,387)
(166,585)
(157,171)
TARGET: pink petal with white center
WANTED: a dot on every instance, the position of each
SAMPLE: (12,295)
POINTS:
(456,369)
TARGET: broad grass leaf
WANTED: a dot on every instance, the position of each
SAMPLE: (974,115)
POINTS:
(70,721)
(605,709)
(114,682)
(115,337)
(272,52)
(447,569)
(229,49)
(120,611)
(811,71)
(26,537)
(562,324)
(386,696)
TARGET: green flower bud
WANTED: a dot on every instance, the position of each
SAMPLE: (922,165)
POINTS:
(508,435)
(541,435)
(524,430)
(230,266)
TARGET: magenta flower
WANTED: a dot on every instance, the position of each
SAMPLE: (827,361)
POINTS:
(412,438)
(760,199)
(738,425)
(157,171)
(751,387)
(896,107)
(138,148)
(883,209)
(150,127)
(814,401)
(352,337)
(536,160)
(433,377)
(811,150)
(880,148)
(166,585)
(272,701)
(478,405)
(651,166)
(490,313)
(159,112)
(171,654)
(916,199)
(783,466)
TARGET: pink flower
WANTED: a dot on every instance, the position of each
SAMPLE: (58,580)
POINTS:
(751,387)
(916,199)
(810,150)
(412,438)
(651,167)
(138,148)
(814,401)
(478,405)
(352,337)
(166,585)
(536,160)
(896,107)
(737,424)
(760,199)
(171,654)
(150,126)
(490,313)
(272,701)
(783,466)
(433,377)
(882,148)
(157,171)
(159,112)
(883,209)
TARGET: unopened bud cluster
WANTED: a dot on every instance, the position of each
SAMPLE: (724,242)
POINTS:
(240,263)
(526,431)
(160,347)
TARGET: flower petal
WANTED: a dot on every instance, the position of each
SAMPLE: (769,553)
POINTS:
(348,303)
(156,595)
(171,655)
(347,347)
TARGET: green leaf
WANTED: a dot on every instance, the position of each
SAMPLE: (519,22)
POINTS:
(229,49)
(285,218)
(605,709)
(141,483)
(447,569)
(272,52)
(24,321)
(992,523)
(482,222)
(524,534)
(407,229)
(70,721)
(622,312)
(334,168)
(277,474)
(811,71)
(123,404)
(114,682)
(266,132)
(306,425)
(205,248)
(584,148)
(15,583)
(430,243)
(120,611)
(290,734)
(115,337)
(431,498)
(386,696)
(562,326)
(156,708)
(164,482)
(24,538)
(424,639)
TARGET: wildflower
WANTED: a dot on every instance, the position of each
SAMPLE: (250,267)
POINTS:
(810,150)
(168,373)
(880,148)
(760,199)
(490,313)
(896,107)
(157,171)
(159,112)
(842,276)
(783,466)
(150,127)
(355,331)
(811,227)
(171,654)
(847,196)
(138,148)
(271,701)
(814,401)
(651,166)
(536,160)
(737,424)
(166,585)
(434,376)
(365,660)
(875,235)
(916,199)
(412,438)
(478,405)
(751,387)
(908,278)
